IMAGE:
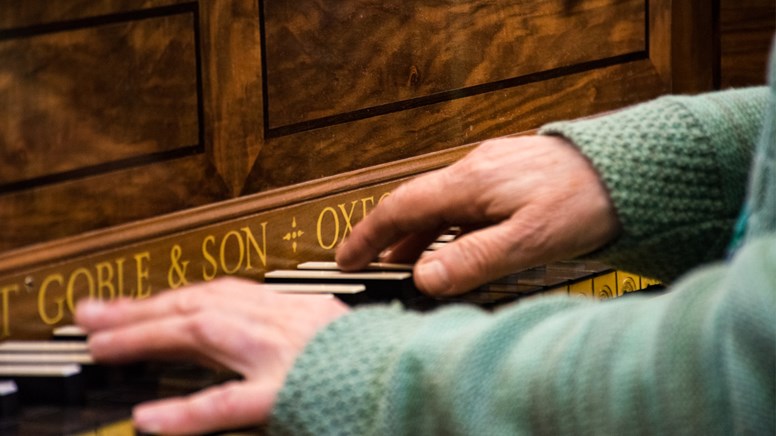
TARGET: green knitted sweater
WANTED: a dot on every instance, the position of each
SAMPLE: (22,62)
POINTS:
(697,360)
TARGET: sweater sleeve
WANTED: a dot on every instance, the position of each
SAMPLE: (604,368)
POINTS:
(676,169)
(699,360)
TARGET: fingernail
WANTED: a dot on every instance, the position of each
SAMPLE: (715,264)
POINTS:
(90,308)
(342,255)
(100,340)
(433,277)
(146,420)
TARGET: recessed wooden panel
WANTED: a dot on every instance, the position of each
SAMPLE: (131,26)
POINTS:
(30,13)
(69,208)
(199,101)
(747,31)
(331,150)
(94,95)
(323,61)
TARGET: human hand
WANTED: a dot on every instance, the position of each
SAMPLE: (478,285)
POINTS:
(523,201)
(227,323)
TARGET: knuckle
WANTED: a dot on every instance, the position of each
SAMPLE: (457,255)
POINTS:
(185,303)
(392,214)
(477,166)
(489,146)
(534,236)
(398,197)
(477,256)
(369,240)
(196,298)
(224,400)
(496,147)
(200,325)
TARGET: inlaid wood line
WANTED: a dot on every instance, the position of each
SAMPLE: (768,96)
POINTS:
(440,97)
(84,244)
(107,167)
(98,20)
(101,20)
(264,84)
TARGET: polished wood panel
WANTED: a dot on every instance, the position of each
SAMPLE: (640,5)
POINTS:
(96,97)
(683,44)
(231,57)
(31,13)
(746,30)
(405,79)
(32,216)
(323,61)
(357,144)
(133,131)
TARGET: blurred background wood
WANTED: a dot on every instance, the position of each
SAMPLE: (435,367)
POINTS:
(746,34)
(118,111)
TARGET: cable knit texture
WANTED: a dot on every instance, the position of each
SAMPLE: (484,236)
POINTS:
(676,169)
(762,202)
(700,359)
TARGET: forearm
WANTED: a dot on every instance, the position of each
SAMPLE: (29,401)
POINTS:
(676,169)
(700,359)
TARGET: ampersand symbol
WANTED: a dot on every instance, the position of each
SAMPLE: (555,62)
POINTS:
(177,268)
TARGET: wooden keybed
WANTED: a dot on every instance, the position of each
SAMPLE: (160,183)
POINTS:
(76,396)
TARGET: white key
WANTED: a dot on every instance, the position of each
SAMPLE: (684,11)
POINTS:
(307,288)
(374,266)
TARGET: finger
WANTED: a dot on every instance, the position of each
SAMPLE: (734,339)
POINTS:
(228,406)
(476,258)
(157,339)
(415,207)
(94,314)
(409,249)
(193,337)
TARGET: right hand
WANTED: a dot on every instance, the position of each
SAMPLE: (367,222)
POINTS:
(522,201)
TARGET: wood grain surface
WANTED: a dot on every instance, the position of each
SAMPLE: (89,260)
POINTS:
(95,96)
(323,61)
(20,14)
(116,111)
(747,32)
(359,144)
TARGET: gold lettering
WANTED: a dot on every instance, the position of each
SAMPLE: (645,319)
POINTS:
(42,294)
(120,276)
(348,217)
(176,274)
(209,258)
(262,252)
(143,272)
(5,291)
(71,286)
(320,228)
(105,280)
(241,251)
(364,210)
(383,197)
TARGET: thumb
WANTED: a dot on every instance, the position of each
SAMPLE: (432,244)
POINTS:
(471,260)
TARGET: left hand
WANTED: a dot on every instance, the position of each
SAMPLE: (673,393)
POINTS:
(226,323)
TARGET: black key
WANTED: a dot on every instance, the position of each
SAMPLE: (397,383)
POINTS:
(47,383)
